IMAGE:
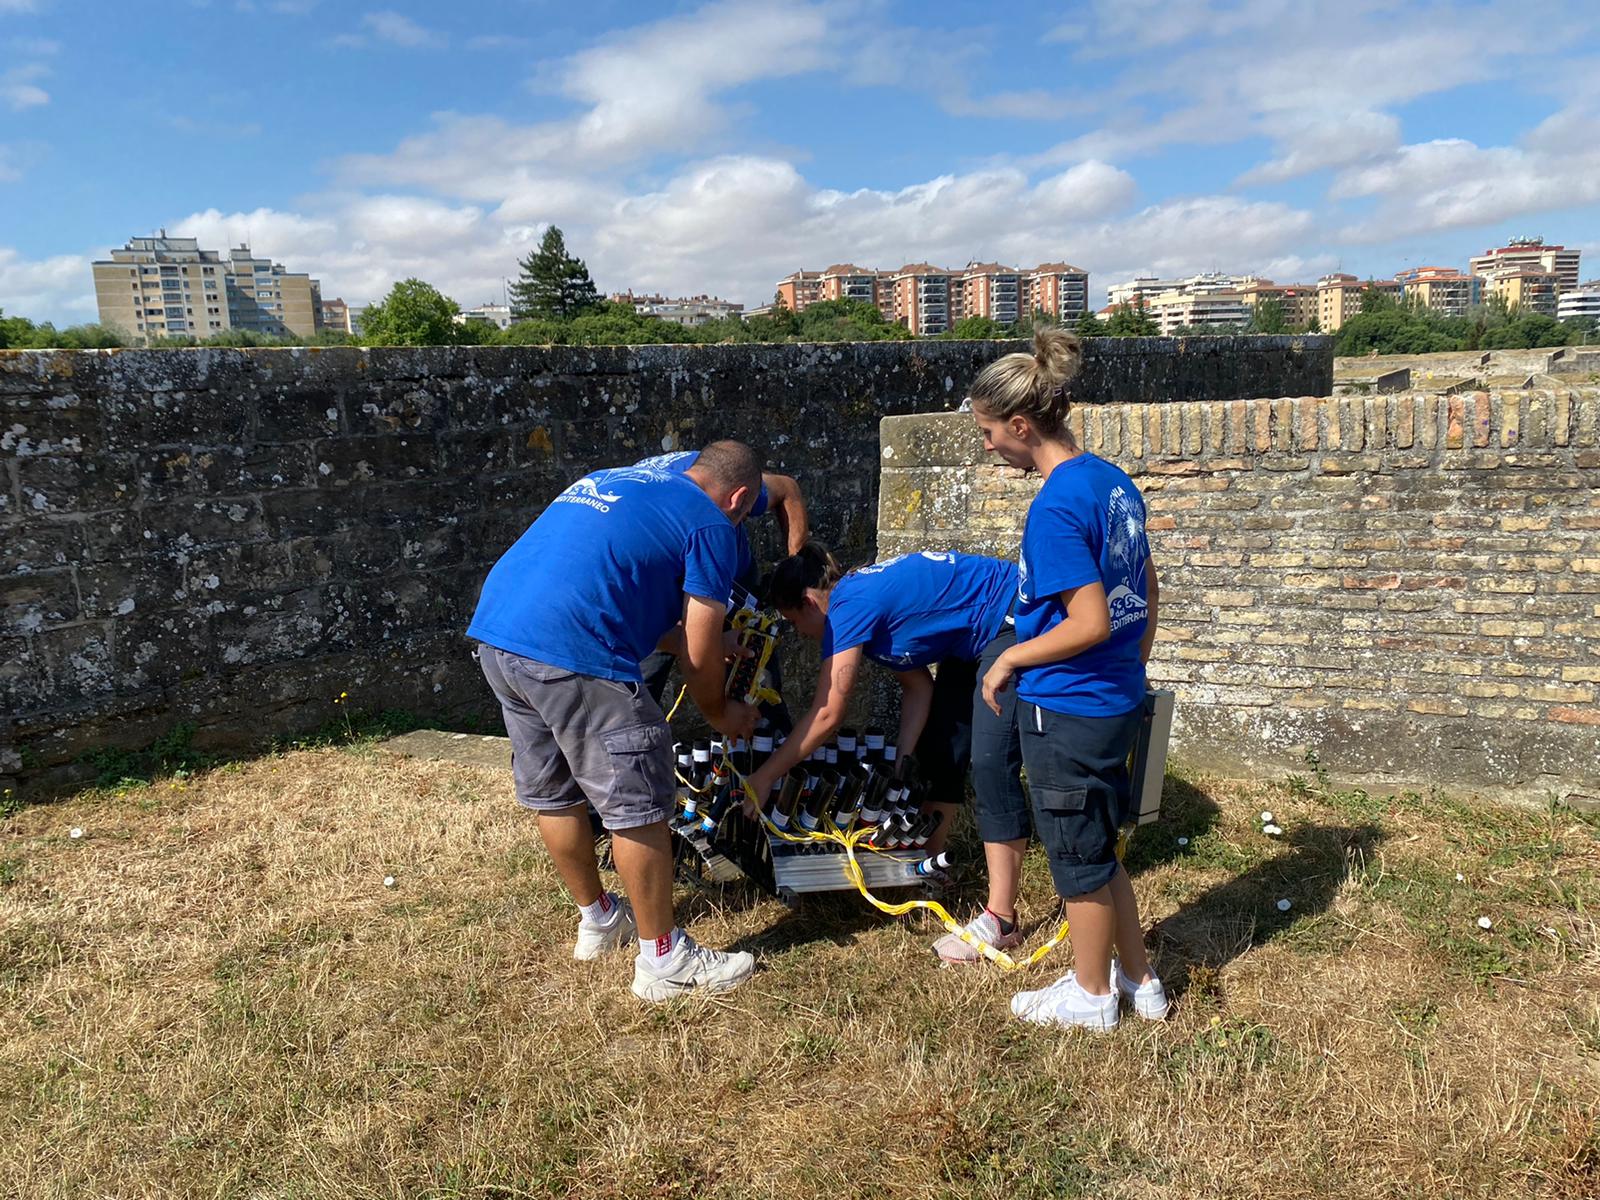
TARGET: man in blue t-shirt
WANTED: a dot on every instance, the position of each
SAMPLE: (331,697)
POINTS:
(780,496)
(622,562)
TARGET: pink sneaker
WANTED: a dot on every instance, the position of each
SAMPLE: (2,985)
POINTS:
(985,927)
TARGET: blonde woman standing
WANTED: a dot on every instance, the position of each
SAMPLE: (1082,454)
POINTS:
(1085,621)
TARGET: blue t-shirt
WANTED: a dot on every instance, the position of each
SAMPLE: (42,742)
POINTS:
(1085,526)
(679,461)
(920,608)
(601,574)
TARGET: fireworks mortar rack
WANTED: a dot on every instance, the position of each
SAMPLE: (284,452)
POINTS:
(849,817)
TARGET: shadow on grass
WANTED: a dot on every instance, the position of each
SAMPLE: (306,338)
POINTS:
(837,917)
(1187,811)
(1212,929)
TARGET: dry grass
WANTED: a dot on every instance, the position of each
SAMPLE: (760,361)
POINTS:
(212,994)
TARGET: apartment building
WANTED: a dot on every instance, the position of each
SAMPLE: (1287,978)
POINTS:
(930,299)
(1058,288)
(1147,287)
(1339,297)
(688,310)
(1177,309)
(922,298)
(335,316)
(989,290)
(799,291)
(164,286)
(1530,253)
(498,315)
(1581,302)
(1526,289)
(1297,300)
(1443,290)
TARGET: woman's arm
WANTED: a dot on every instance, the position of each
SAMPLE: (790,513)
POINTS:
(834,685)
(1087,624)
(1153,594)
(916,698)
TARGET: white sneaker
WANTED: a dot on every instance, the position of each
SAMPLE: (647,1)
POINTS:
(595,940)
(1149,999)
(1024,1004)
(691,968)
(1065,1003)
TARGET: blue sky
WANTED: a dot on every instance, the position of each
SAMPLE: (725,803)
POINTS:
(718,146)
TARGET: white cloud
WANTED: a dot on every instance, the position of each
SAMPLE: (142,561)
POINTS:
(34,47)
(652,89)
(59,288)
(18,158)
(1320,141)
(19,6)
(385,26)
(498,41)
(400,30)
(19,91)
(1451,183)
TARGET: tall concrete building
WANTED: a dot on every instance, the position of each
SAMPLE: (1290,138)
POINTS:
(1057,288)
(1443,290)
(922,298)
(1531,252)
(799,291)
(169,287)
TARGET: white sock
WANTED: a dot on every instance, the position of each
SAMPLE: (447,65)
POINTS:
(656,951)
(599,913)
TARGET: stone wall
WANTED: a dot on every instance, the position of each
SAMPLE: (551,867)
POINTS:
(231,538)
(1408,585)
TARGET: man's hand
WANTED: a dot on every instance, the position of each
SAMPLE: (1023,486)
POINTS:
(736,720)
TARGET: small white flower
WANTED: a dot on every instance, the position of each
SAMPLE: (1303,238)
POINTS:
(1284,906)
(1266,818)
(1485,923)
(1183,841)
(1272,830)
(1460,878)
(75,832)
(388,881)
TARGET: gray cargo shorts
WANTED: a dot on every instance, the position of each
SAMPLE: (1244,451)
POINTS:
(577,738)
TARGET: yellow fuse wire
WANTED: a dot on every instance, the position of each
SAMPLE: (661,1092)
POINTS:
(855,839)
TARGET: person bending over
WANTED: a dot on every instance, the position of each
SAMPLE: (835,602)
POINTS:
(909,614)
(1086,618)
(621,561)
(781,497)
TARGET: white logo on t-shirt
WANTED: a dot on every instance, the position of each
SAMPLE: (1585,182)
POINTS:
(1128,550)
(587,492)
(938,556)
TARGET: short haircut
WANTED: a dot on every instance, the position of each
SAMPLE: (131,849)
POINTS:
(729,465)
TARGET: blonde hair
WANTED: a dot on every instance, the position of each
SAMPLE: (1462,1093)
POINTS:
(1032,385)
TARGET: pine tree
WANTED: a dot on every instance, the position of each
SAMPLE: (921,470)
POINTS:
(553,285)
